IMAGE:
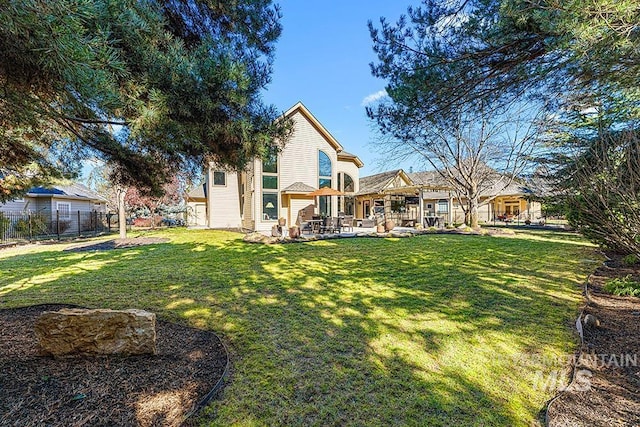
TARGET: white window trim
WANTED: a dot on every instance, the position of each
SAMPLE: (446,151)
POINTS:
(213,179)
(61,215)
(263,213)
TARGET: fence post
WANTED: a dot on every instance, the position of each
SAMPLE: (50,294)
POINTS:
(58,223)
(30,228)
(78,223)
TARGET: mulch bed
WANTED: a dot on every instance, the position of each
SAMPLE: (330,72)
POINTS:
(148,390)
(611,357)
(116,244)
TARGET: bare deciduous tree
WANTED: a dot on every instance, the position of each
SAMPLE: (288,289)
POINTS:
(477,153)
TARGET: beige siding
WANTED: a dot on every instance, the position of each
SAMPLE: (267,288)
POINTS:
(248,221)
(351,169)
(299,159)
(223,201)
(298,162)
(297,204)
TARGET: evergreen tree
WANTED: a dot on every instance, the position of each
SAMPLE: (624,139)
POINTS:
(150,87)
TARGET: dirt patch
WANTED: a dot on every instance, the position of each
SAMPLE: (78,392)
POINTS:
(609,394)
(116,244)
(104,390)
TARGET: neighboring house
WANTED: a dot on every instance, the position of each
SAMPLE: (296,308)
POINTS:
(62,198)
(64,203)
(278,187)
(407,198)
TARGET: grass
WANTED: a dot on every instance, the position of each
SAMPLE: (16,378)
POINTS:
(431,330)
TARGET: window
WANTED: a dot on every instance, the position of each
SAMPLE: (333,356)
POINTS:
(270,182)
(443,206)
(219,178)
(270,206)
(398,204)
(349,207)
(324,180)
(324,164)
(345,183)
(270,187)
(378,207)
(270,163)
(64,210)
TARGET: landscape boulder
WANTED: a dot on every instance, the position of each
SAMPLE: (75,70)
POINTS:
(96,332)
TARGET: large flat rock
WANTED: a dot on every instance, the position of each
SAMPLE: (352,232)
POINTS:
(96,331)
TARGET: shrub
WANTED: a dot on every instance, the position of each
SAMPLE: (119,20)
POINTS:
(61,227)
(602,195)
(623,287)
(630,259)
(38,225)
(154,221)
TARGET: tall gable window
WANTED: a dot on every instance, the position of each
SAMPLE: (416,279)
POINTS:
(324,180)
(346,203)
(270,187)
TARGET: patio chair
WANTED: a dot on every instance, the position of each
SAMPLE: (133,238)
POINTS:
(346,223)
(303,225)
(330,225)
(368,223)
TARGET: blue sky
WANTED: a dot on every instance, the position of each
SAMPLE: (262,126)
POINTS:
(322,59)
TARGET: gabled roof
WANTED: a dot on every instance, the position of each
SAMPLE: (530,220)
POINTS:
(513,189)
(298,187)
(427,179)
(375,184)
(197,192)
(71,191)
(299,107)
(343,155)
(435,180)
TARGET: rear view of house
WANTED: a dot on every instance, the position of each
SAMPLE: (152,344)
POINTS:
(279,186)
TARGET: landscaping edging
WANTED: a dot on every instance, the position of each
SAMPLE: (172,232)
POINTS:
(216,388)
(603,388)
(98,386)
(256,237)
(580,353)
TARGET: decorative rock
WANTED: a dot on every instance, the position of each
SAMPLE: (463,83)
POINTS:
(100,331)
(389,225)
(400,234)
(255,237)
(591,321)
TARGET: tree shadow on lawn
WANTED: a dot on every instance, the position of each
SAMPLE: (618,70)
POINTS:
(360,331)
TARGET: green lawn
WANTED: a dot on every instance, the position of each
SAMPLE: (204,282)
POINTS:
(416,331)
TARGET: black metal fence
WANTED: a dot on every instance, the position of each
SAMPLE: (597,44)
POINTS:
(15,226)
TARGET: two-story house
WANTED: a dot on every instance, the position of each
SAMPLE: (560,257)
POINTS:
(279,186)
